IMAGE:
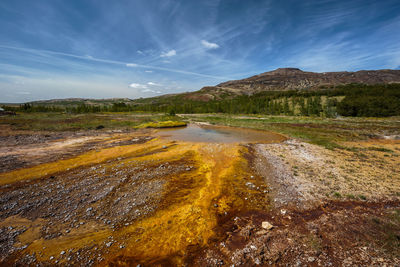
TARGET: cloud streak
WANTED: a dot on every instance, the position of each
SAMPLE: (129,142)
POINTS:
(137,85)
(153,84)
(209,45)
(107,61)
(170,53)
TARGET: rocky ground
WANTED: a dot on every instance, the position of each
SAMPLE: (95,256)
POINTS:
(329,208)
(129,198)
(25,149)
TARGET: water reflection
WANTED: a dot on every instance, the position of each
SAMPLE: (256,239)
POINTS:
(219,134)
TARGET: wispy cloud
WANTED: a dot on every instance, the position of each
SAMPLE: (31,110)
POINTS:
(209,45)
(170,53)
(40,52)
(151,91)
(137,85)
(131,65)
(153,84)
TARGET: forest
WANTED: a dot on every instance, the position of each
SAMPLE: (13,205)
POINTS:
(356,100)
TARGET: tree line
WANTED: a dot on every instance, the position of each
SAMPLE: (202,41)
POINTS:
(348,100)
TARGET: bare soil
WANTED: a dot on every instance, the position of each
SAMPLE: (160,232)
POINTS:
(25,149)
(127,198)
(316,211)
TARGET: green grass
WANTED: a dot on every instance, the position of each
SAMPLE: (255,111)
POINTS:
(75,122)
(162,124)
(325,132)
(362,197)
(381,149)
(337,195)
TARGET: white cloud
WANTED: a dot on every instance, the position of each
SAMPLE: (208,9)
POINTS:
(150,91)
(153,84)
(137,85)
(131,65)
(23,93)
(140,52)
(209,45)
(148,71)
(170,53)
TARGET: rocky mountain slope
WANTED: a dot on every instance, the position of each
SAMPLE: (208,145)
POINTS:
(296,79)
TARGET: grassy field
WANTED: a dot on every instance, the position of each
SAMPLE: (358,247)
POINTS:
(90,121)
(316,130)
(327,132)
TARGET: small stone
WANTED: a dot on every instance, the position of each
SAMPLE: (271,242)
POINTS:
(311,259)
(164,147)
(261,232)
(109,244)
(51,257)
(266,225)
(250,185)
(62,252)
(215,205)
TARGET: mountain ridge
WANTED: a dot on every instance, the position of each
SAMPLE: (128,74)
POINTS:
(297,79)
(281,79)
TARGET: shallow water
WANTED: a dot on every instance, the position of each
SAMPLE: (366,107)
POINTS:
(219,134)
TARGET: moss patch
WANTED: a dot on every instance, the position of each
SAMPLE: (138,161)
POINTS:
(162,124)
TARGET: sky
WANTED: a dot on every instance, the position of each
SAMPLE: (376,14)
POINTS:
(143,48)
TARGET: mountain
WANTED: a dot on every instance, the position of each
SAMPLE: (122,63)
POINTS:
(77,101)
(284,79)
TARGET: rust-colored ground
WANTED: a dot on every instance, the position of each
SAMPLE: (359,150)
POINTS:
(122,199)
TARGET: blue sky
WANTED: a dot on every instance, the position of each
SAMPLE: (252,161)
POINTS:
(142,48)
